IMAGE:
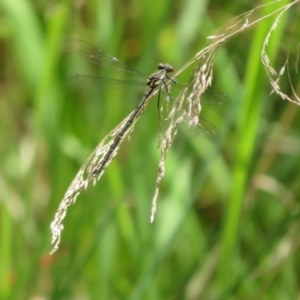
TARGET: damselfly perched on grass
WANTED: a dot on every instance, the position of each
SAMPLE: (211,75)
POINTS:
(186,107)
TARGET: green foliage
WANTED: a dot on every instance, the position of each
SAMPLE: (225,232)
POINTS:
(227,222)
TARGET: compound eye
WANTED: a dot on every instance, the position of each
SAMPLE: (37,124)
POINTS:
(160,66)
(169,68)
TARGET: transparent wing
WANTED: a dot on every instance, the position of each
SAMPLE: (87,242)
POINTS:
(202,127)
(214,97)
(97,56)
(209,97)
(97,83)
(189,113)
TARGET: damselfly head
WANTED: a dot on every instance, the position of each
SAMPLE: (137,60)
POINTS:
(166,67)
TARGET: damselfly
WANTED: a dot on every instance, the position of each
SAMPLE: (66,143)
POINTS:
(97,162)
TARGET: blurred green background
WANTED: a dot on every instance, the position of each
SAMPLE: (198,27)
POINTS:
(227,225)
